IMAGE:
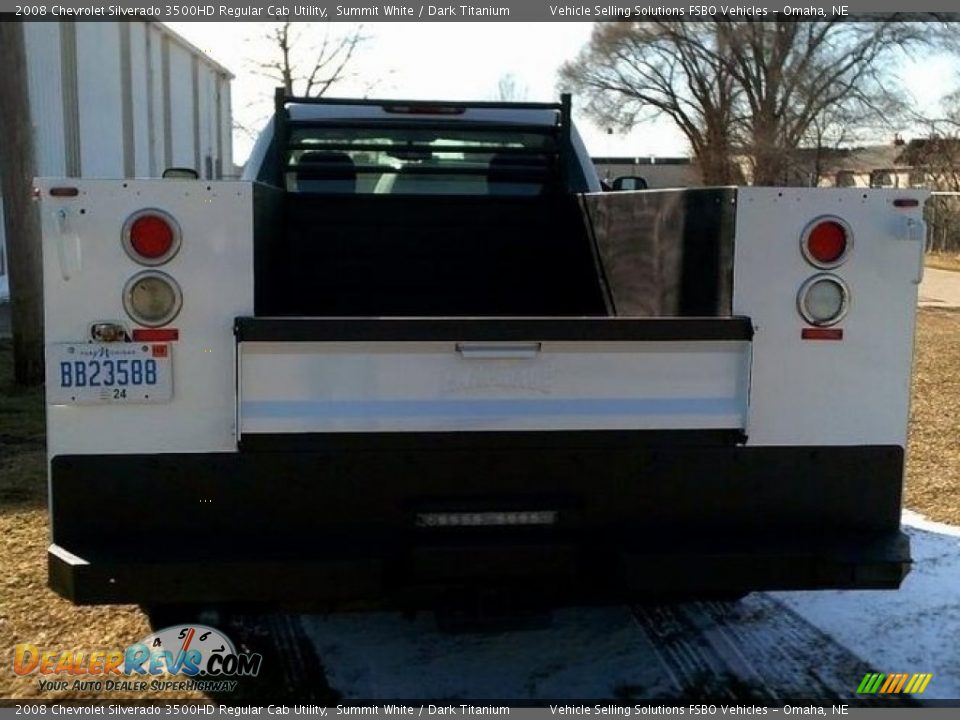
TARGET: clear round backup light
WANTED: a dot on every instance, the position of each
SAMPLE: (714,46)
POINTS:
(152,298)
(823,300)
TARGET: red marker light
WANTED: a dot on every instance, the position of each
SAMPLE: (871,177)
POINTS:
(821,334)
(155,334)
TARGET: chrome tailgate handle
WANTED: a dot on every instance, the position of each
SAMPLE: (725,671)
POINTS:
(498,351)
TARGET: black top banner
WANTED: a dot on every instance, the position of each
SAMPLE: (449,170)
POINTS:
(368,11)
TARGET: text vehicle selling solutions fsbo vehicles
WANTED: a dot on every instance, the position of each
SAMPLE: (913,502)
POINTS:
(419,352)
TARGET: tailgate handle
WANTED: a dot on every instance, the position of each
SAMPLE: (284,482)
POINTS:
(498,351)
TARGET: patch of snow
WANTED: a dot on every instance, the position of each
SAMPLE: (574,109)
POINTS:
(922,522)
(603,653)
(586,654)
(914,629)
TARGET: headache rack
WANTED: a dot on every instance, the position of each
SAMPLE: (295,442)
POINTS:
(544,158)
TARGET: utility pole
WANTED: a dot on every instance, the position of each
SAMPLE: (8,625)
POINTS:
(21,217)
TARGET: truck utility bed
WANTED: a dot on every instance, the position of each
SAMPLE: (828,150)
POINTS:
(423,256)
(419,353)
(667,254)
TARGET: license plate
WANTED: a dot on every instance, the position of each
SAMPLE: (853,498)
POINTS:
(97,373)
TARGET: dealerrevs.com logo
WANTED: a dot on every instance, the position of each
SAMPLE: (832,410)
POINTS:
(202,656)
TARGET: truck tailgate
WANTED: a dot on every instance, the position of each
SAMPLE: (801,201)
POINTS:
(304,376)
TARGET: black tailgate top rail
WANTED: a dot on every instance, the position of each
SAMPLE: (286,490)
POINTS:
(292,329)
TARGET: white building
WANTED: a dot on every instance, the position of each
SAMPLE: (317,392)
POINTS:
(123,99)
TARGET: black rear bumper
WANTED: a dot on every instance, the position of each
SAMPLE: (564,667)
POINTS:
(333,520)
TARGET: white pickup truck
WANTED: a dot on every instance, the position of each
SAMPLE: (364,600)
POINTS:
(418,352)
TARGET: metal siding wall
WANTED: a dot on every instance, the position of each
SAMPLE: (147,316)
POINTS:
(195,106)
(155,105)
(140,89)
(226,129)
(208,103)
(167,103)
(126,97)
(100,99)
(181,107)
(218,83)
(69,102)
(43,78)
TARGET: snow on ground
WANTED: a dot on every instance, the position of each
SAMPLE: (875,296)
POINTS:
(585,654)
(604,653)
(915,629)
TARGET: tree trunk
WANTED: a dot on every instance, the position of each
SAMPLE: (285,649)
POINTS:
(769,156)
(21,218)
(716,166)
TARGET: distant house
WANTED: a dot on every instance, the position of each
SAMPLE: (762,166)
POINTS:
(876,166)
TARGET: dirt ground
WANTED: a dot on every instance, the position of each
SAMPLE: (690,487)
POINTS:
(29,612)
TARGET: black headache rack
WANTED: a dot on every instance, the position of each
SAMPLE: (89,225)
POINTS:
(547,164)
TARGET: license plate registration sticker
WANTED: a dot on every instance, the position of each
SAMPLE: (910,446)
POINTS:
(104,373)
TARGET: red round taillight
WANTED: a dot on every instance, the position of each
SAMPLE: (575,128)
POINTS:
(151,237)
(826,242)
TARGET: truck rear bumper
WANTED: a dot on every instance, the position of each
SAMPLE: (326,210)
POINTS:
(553,574)
(340,520)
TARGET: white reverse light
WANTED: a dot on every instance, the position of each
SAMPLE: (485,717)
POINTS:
(823,300)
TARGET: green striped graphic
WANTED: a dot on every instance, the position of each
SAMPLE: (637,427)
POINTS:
(870,683)
(913,684)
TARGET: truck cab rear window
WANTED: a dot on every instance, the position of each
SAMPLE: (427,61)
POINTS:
(392,160)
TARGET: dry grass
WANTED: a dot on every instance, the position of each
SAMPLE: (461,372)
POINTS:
(943,261)
(933,465)
(30,612)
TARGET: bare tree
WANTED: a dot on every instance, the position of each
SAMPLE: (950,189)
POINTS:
(632,72)
(21,219)
(827,140)
(746,88)
(935,160)
(509,89)
(308,59)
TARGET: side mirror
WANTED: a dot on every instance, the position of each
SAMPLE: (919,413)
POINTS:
(630,182)
(176,173)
